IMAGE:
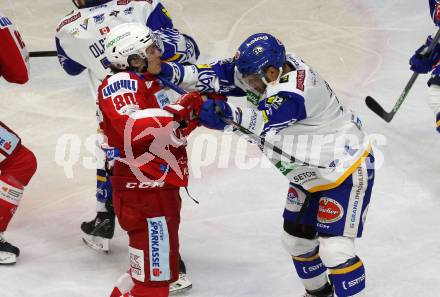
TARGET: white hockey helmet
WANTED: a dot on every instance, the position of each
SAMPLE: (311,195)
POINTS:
(127,41)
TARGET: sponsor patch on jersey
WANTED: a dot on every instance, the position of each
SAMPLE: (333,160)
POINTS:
(114,13)
(137,265)
(304,177)
(437,13)
(293,199)
(252,98)
(286,167)
(4,22)
(8,141)
(329,210)
(104,30)
(162,99)
(275,101)
(10,194)
(300,77)
(159,249)
(128,11)
(123,84)
(284,79)
(69,20)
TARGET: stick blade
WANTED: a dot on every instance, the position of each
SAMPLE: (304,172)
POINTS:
(377,109)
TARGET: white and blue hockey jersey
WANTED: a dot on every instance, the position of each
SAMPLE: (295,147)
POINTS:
(299,114)
(80,36)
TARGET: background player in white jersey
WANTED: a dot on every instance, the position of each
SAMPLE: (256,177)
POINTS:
(293,103)
(17,163)
(80,42)
(422,62)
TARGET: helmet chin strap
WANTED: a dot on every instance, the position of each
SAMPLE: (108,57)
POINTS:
(280,72)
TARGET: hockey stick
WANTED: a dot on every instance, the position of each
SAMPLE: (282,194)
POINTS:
(39,54)
(249,133)
(378,109)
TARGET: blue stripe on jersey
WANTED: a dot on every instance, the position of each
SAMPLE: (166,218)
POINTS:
(70,66)
(158,19)
(282,110)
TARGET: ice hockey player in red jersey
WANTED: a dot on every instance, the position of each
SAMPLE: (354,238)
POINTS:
(17,163)
(149,132)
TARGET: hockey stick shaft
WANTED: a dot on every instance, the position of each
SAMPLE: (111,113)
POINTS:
(249,133)
(39,54)
(388,116)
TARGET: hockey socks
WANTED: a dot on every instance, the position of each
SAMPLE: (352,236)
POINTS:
(311,270)
(10,196)
(348,278)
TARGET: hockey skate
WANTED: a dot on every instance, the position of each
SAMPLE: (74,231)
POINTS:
(8,252)
(183,284)
(98,232)
(326,291)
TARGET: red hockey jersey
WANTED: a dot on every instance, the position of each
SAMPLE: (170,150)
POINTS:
(14,56)
(135,123)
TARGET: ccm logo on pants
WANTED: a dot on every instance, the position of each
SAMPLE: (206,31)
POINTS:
(144,185)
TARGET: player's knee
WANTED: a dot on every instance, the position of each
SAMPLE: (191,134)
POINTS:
(31,161)
(297,246)
(336,250)
(434,97)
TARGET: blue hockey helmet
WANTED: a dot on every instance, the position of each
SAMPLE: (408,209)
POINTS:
(258,52)
(89,3)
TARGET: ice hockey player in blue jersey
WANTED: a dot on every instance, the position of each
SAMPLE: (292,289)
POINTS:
(80,38)
(289,102)
(422,62)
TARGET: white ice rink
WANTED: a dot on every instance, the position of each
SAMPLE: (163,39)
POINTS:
(231,241)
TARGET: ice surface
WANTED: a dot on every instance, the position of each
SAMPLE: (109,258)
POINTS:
(231,241)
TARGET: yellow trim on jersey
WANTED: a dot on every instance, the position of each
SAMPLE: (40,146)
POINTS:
(165,12)
(204,66)
(438,123)
(309,259)
(344,176)
(173,58)
(101,178)
(265,118)
(347,269)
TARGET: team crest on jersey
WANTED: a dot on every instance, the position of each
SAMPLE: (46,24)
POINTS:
(98,18)
(85,24)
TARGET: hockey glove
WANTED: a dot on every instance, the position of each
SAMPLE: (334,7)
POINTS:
(423,62)
(187,107)
(215,114)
